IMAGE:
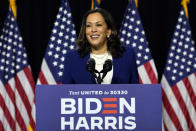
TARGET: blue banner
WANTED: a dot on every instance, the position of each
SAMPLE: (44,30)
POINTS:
(98,107)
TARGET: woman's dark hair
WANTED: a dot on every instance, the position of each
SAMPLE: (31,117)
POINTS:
(113,42)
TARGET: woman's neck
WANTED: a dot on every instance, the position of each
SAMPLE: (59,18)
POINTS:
(102,50)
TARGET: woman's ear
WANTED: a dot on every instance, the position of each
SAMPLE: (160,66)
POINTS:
(109,31)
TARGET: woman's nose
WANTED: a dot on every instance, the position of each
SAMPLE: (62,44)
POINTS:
(94,29)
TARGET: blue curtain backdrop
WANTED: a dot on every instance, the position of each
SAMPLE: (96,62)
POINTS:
(36,19)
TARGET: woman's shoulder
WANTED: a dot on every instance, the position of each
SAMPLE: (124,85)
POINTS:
(72,53)
(129,51)
(69,56)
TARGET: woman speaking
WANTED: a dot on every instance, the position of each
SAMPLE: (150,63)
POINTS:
(100,56)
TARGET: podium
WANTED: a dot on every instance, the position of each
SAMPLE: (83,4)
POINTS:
(84,107)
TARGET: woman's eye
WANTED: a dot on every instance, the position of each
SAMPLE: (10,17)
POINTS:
(88,25)
(99,24)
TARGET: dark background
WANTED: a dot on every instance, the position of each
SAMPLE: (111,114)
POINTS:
(36,18)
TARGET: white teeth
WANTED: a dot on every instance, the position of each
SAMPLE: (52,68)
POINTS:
(94,36)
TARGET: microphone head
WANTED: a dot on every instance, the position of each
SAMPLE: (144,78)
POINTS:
(90,65)
(107,65)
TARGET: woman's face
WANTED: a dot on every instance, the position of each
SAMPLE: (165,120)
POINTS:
(97,31)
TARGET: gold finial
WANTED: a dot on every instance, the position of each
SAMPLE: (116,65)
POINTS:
(13,7)
(136,3)
(92,3)
(184,4)
(99,2)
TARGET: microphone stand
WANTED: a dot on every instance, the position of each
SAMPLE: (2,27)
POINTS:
(99,79)
(91,68)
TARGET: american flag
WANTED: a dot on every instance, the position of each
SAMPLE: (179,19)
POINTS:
(17,89)
(179,80)
(132,35)
(62,41)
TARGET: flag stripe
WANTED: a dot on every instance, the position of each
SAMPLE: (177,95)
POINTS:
(18,127)
(171,112)
(143,75)
(150,73)
(168,124)
(20,110)
(38,81)
(20,120)
(1,126)
(163,124)
(23,96)
(33,120)
(7,114)
(154,69)
(18,104)
(28,75)
(191,94)
(10,92)
(25,83)
(27,106)
(185,90)
(42,79)
(169,101)
(140,80)
(47,73)
(3,122)
(192,80)
(6,98)
(182,104)
(171,96)
(165,128)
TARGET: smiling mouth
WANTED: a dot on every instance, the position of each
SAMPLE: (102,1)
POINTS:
(93,37)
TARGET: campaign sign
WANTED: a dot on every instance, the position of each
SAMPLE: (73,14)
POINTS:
(98,107)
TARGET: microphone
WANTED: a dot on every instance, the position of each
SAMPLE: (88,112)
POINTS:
(90,66)
(106,68)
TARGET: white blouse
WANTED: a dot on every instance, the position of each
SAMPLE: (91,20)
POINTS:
(99,60)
